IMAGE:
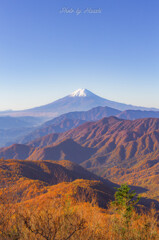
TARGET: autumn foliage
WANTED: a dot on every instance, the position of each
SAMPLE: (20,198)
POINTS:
(72,214)
(35,206)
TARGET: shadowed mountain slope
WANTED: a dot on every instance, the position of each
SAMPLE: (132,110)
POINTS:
(33,182)
(66,150)
(124,150)
(28,179)
(50,172)
(16,151)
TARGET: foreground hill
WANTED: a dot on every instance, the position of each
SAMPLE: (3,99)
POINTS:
(49,200)
(22,181)
(28,179)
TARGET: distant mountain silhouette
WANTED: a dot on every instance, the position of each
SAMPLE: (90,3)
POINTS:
(24,128)
(7,122)
(13,128)
(80,100)
(10,136)
(136,114)
(93,114)
(59,126)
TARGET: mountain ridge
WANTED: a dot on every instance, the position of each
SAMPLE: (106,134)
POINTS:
(80,100)
(71,120)
(116,149)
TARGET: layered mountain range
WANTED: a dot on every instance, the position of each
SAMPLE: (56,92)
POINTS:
(117,149)
(71,120)
(22,127)
(14,128)
(122,146)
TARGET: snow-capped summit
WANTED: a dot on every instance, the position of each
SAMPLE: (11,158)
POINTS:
(80,100)
(82,92)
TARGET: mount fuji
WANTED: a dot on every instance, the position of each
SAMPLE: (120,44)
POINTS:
(79,100)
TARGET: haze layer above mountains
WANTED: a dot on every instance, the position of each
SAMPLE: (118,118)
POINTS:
(80,100)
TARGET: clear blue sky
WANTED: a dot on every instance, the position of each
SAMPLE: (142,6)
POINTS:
(45,54)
